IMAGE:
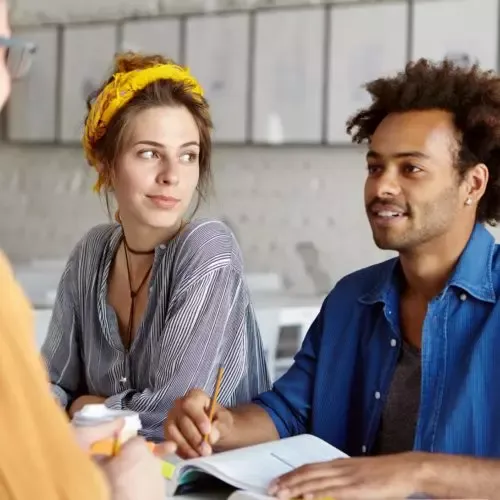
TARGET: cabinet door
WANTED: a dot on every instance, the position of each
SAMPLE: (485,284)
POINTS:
(356,57)
(87,59)
(31,112)
(463,30)
(217,53)
(288,81)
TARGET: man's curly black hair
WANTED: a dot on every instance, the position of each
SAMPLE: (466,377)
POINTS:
(472,96)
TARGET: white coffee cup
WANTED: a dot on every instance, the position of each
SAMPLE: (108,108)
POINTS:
(95,414)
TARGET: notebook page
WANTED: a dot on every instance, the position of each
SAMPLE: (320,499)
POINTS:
(254,467)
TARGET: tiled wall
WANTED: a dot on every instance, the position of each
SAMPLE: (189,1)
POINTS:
(295,210)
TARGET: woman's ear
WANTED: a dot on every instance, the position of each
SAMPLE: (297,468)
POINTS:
(106,176)
(99,168)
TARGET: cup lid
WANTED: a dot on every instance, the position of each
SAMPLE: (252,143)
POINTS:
(94,410)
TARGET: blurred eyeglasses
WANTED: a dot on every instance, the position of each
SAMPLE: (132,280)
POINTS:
(19,56)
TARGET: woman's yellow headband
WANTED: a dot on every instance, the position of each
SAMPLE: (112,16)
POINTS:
(119,92)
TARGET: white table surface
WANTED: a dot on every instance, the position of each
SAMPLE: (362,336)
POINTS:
(294,309)
(280,299)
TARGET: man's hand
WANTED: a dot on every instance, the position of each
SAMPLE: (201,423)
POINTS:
(187,422)
(80,402)
(392,476)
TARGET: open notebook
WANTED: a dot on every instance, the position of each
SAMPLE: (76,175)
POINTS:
(252,468)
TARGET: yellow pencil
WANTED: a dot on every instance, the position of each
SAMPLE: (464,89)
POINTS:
(116,444)
(215,396)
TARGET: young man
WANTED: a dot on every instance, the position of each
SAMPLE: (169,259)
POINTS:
(402,357)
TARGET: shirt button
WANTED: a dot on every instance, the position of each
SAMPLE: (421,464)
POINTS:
(393,342)
(162,246)
(123,380)
(463,297)
(363,449)
(150,289)
(377,395)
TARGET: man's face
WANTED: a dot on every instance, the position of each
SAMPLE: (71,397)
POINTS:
(4,73)
(413,193)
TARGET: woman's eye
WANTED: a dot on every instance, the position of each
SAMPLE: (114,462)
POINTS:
(189,157)
(148,154)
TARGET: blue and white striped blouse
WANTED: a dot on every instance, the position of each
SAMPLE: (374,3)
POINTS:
(199,316)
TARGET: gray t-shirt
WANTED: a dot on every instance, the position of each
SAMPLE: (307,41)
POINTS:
(399,416)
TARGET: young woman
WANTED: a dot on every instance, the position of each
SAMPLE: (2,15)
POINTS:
(40,456)
(153,305)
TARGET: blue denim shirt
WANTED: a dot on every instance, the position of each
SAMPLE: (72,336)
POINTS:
(338,383)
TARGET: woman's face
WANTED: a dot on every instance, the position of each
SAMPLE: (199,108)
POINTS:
(157,172)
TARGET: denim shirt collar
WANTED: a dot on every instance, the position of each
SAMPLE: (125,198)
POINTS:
(472,274)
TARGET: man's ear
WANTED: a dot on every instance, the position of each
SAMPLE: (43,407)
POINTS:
(475,182)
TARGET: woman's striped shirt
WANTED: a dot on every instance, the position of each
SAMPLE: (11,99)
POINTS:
(199,316)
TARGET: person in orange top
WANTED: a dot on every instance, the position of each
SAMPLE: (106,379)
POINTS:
(42,456)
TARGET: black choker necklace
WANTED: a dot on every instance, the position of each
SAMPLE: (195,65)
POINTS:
(133,294)
(137,252)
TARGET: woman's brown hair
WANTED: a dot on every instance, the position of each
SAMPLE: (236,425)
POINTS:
(162,92)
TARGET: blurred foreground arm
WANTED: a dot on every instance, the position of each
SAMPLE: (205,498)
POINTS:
(40,456)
